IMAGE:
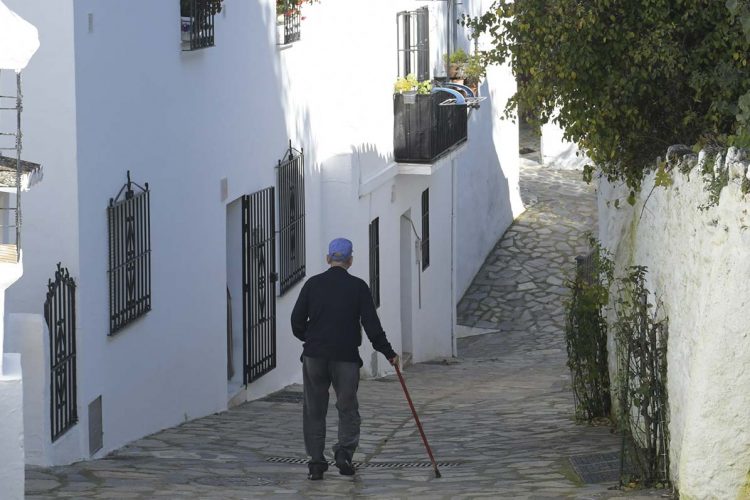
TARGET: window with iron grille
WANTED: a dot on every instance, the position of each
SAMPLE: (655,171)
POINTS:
(291,193)
(197,23)
(414,43)
(288,21)
(425,229)
(60,316)
(375,261)
(129,220)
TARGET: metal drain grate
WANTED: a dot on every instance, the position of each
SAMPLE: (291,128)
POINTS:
(369,465)
(284,397)
(597,468)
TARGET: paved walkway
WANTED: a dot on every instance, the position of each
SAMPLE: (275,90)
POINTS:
(499,417)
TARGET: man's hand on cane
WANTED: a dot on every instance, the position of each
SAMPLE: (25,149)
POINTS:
(394,360)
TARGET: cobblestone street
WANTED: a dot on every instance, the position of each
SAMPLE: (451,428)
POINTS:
(499,417)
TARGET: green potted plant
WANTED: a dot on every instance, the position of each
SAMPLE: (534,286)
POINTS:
(409,87)
(474,71)
(455,62)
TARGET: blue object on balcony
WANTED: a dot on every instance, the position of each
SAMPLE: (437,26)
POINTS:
(458,86)
(457,95)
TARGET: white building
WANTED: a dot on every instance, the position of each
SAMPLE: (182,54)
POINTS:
(18,42)
(113,91)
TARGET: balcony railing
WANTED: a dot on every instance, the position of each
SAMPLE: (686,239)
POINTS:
(424,130)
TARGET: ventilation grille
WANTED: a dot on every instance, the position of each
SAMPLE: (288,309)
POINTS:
(96,433)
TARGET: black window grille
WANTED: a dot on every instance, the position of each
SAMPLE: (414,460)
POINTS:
(60,315)
(197,23)
(129,219)
(425,229)
(414,43)
(375,261)
(289,20)
(291,185)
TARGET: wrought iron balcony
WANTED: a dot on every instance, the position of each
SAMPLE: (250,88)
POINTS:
(424,130)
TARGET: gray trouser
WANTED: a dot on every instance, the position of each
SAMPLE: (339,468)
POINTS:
(318,375)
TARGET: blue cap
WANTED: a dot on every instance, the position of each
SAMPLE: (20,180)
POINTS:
(340,249)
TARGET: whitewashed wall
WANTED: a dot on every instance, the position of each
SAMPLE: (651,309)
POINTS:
(698,268)
(183,122)
(558,152)
(487,179)
(11,430)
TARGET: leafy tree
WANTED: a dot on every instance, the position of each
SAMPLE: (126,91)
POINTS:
(627,78)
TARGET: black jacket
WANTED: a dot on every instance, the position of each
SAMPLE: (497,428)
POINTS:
(329,311)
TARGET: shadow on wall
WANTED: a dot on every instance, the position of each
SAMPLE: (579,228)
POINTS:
(368,161)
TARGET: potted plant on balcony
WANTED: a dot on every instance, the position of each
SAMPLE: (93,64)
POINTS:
(455,63)
(474,71)
(409,87)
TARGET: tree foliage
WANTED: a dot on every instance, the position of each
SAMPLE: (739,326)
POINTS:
(625,79)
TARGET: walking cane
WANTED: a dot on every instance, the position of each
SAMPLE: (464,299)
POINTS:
(416,419)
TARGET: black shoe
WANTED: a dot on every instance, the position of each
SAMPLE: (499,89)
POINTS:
(344,465)
(315,476)
(316,471)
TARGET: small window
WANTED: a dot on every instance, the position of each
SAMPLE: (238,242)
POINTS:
(425,229)
(197,23)
(288,21)
(291,193)
(414,43)
(375,261)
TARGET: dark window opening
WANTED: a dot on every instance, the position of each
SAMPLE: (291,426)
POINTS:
(414,43)
(425,229)
(375,261)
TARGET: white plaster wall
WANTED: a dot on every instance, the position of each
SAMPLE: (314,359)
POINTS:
(558,152)
(699,263)
(11,431)
(27,334)
(184,121)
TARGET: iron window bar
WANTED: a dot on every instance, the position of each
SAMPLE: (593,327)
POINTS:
(413,43)
(129,227)
(60,316)
(374,244)
(290,174)
(289,15)
(197,23)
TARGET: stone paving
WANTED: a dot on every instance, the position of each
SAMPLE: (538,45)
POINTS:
(499,416)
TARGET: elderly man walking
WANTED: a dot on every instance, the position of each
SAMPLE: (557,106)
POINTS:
(328,316)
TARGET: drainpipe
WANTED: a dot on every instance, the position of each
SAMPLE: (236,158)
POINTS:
(453,270)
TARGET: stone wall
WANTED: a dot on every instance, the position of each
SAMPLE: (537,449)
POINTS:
(698,263)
